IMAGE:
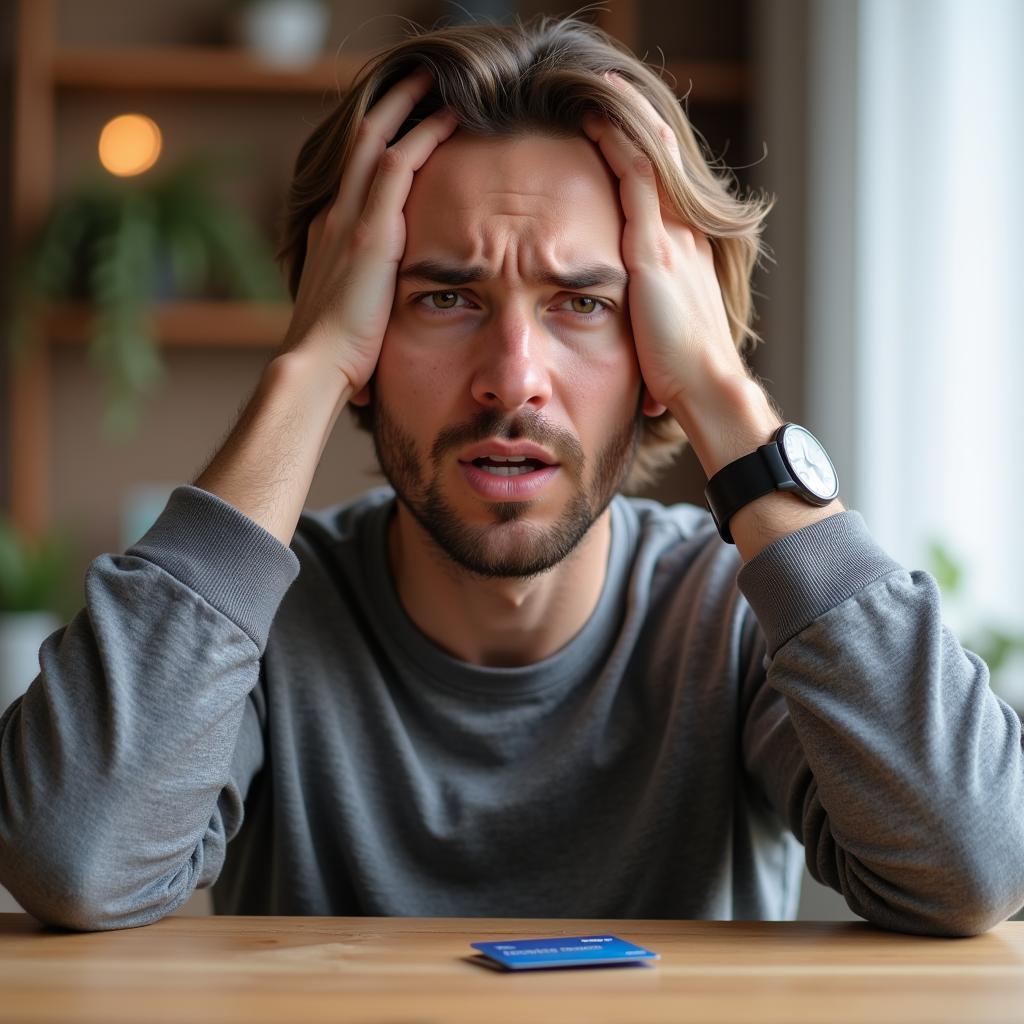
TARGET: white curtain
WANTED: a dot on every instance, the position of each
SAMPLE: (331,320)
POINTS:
(914,296)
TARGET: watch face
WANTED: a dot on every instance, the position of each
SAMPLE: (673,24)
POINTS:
(809,464)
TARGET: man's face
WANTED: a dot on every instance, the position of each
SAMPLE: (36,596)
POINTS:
(509,365)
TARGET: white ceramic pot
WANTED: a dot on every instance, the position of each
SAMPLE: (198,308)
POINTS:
(21,636)
(286,33)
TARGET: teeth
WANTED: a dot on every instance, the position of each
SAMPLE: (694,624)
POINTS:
(507,458)
(506,470)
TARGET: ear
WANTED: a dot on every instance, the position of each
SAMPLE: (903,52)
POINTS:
(650,406)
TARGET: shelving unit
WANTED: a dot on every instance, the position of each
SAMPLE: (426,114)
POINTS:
(229,324)
(208,69)
(46,73)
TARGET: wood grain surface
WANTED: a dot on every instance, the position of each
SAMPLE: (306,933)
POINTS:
(390,970)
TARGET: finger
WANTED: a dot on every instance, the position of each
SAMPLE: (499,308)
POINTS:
(661,127)
(396,168)
(378,128)
(638,185)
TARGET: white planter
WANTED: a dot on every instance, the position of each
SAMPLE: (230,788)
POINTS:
(21,636)
(286,33)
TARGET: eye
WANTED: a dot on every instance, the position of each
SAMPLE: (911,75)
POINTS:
(440,300)
(588,307)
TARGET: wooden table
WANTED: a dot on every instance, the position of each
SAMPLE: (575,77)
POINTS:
(406,970)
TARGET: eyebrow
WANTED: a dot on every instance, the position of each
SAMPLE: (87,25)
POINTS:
(586,275)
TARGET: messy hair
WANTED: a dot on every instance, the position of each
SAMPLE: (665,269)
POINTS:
(542,77)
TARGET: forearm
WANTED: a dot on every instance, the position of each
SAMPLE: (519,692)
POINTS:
(890,757)
(728,418)
(266,466)
(117,791)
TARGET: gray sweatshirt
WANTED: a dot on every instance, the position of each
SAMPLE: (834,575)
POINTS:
(227,710)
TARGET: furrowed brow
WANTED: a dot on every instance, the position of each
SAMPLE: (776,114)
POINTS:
(586,275)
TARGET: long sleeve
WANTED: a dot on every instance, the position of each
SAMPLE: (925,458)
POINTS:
(124,767)
(877,738)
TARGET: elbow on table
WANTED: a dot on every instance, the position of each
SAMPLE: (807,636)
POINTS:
(88,905)
(973,900)
(985,906)
(80,915)
(987,889)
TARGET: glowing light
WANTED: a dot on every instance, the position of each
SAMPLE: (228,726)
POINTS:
(129,144)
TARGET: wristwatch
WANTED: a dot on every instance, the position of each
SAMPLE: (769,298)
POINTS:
(793,460)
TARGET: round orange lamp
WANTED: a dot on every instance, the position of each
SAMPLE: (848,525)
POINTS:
(129,144)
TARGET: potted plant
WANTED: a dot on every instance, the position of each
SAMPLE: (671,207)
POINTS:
(998,646)
(34,600)
(121,244)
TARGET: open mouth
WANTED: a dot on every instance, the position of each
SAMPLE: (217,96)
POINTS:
(517,475)
(500,470)
(515,465)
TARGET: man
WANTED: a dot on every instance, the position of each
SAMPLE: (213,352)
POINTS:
(500,688)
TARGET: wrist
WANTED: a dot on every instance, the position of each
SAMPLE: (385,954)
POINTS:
(726,418)
(266,466)
(307,373)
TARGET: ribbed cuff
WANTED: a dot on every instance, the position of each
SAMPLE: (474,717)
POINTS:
(805,574)
(233,563)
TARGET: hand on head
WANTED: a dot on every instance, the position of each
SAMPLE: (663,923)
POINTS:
(680,325)
(355,243)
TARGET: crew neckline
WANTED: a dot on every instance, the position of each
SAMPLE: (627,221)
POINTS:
(577,659)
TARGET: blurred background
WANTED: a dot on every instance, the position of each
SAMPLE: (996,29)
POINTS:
(145,153)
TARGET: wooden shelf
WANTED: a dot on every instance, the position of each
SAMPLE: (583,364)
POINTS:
(196,69)
(222,70)
(187,324)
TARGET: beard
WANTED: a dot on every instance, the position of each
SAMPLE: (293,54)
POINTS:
(510,547)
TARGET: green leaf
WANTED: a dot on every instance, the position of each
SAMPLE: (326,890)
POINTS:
(948,573)
(188,256)
(108,240)
(12,566)
(33,574)
(998,646)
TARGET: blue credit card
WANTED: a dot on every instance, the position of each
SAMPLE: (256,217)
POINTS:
(563,951)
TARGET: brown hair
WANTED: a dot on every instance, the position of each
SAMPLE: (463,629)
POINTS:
(541,77)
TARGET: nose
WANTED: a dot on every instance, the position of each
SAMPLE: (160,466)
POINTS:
(512,369)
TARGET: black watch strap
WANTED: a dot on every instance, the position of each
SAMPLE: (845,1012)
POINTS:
(742,482)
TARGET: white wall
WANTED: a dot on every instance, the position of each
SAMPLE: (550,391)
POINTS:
(913,304)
